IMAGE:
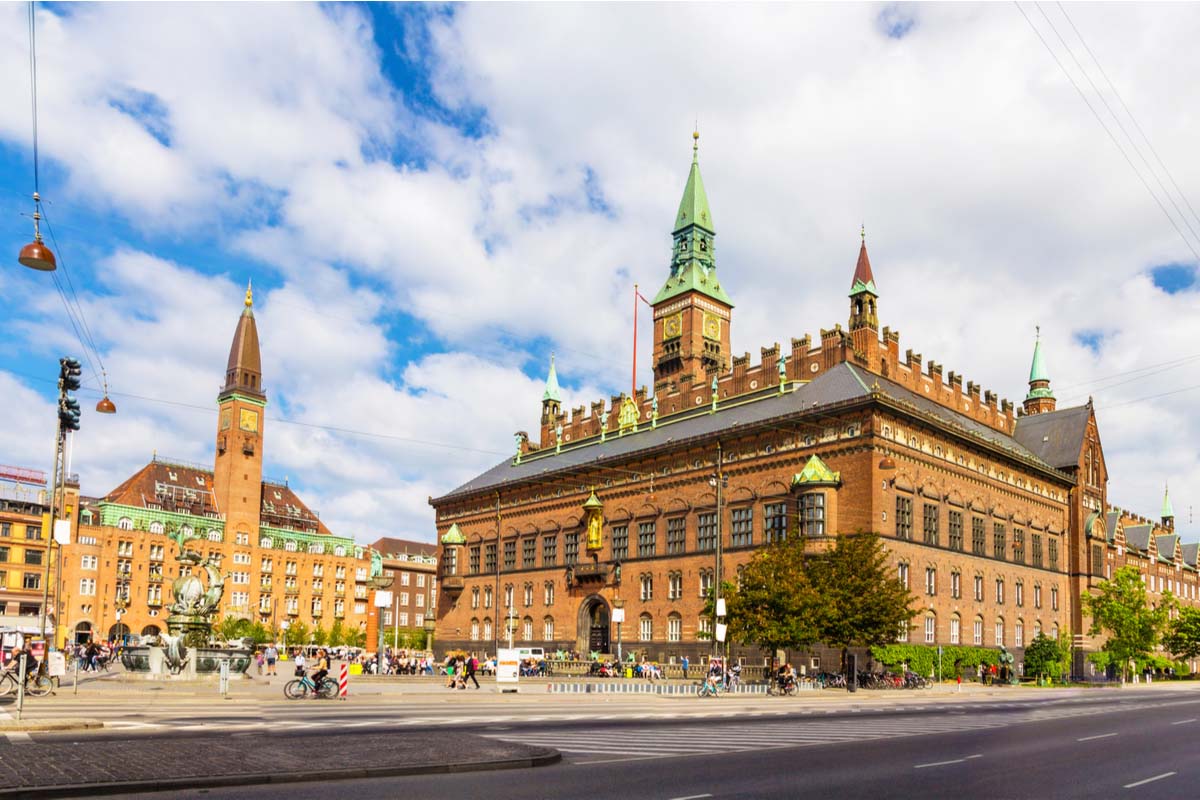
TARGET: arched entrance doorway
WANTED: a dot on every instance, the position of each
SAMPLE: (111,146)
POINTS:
(593,626)
(83,632)
(151,630)
(118,632)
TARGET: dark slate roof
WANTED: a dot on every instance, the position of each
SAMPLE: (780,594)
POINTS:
(1111,520)
(1056,437)
(1166,546)
(1138,537)
(842,383)
(1190,551)
(392,548)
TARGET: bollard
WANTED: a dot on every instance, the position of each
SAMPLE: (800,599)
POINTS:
(223,685)
(344,682)
(76,689)
(21,689)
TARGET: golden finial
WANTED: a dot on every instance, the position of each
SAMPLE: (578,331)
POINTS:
(249,295)
(863,233)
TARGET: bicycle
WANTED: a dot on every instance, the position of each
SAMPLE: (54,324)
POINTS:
(784,687)
(709,688)
(303,686)
(37,683)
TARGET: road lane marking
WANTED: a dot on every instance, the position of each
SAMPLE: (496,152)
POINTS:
(945,763)
(1149,780)
(1097,736)
(1184,721)
(692,797)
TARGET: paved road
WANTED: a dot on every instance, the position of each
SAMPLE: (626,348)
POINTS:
(1137,745)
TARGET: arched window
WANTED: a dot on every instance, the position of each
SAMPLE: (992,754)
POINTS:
(977,632)
(955,629)
(487,628)
(340,550)
(527,629)
(1037,628)
(548,628)
(475,597)
(999,631)
(266,542)
(474,630)
(645,628)
(1019,634)
(290,546)
(125,524)
(156,527)
(674,627)
(930,627)
(214,536)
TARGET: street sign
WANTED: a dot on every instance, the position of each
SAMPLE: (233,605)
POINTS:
(720,631)
(618,615)
(62,531)
(720,606)
(56,664)
(508,663)
(382,599)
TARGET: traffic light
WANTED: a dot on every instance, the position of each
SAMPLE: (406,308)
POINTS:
(68,373)
(68,413)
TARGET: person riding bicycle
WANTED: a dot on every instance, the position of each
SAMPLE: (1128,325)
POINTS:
(321,671)
(19,654)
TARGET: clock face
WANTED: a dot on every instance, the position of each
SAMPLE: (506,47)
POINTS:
(712,326)
(248,421)
(673,326)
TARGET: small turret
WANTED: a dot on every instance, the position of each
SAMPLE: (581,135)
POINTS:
(552,397)
(1168,511)
(863,294)
(1040,399)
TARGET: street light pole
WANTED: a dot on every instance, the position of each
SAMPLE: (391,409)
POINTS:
(718,481)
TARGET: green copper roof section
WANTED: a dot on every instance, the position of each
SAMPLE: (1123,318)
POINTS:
(454,536)
(693,261)
(1038,373)
(1167,509)
(816,471)
(593,501)
(693,208)
(552,391)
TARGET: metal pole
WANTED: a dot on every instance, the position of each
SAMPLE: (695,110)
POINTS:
(76,688)
(58,445)
(717,571)
(496,605)
(58,598)
(396,625)
(21,686)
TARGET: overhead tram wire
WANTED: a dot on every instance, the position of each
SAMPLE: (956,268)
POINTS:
(1116,118)
(1114,139)
(1128,112)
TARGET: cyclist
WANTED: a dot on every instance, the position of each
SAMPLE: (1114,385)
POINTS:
(322,670)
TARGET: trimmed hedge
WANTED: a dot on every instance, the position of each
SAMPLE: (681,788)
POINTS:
(923,659)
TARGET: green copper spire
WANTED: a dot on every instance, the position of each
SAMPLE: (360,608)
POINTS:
(552,391)
(454,536)
(1039,378)
(1168,511)
(693,264)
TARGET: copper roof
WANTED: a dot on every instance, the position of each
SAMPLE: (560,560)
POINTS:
(390,547)
(243,373)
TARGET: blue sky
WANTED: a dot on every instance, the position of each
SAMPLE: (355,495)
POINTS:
(431,199)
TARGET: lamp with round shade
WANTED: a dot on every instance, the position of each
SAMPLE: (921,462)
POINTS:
(887,464)
(106,406)
(36,255)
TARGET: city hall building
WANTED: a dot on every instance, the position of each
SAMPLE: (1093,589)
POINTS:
(614,522)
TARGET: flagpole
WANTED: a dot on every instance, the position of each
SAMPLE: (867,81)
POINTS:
(633,386)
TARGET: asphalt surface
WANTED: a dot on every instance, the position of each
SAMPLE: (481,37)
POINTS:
(1131,744)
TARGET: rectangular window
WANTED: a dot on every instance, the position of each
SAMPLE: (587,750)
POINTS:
(904,518)
(33,557)
(930,630)
(571,548)
(1019,594)
(1037,596)
(5,529)
(931,523)
(647,587)
(955,634)
(87,586)
(706,533)
(674,629)
(646,629)
(902,573)
(999,591)
(1019,545)
(956,585)
(674,586)
(33,531)
(978,537)
(489,557)
(547,629)
(930,581)
(902,635)
(1052,552)
(1097,560)
(4,557)
(620,542)
(812,514)
(676,535)
(473,559)
(510,555)
(741,527)
(529,552)
(88,562)
(528,595)
(955,522)
(977,633)
(999,545)
(1035,549)
(647,536)
(774,522)
(32,580)
(1054,598)
(549,550)
(999,633)
(1019,634)
(978,588)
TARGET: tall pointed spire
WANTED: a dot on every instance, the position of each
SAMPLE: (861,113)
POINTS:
(863,294)
(864,280)
(243,372)
(552,391)
(1040,398)
(693,264)
(1168,511)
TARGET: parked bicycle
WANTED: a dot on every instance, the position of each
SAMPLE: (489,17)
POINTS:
(304,687)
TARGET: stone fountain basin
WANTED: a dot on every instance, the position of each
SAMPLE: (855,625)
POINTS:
(207,660)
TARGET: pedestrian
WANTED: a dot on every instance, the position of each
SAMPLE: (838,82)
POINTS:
(685,668)
(271,655)
(472,666)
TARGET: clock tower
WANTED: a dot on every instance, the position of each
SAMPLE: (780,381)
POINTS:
(691,312)
(237,474)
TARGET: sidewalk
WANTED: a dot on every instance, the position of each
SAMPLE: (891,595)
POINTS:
(108,767)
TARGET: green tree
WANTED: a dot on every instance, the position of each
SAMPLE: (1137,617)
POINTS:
(337,634)
(1046,657)
(1120,610)
(864,605)
(356,638)
(296,634)
(232,627)
(1182,639)
(776,606)
(320,636)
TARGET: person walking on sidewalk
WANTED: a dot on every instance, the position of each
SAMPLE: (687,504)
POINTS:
(472,666)
(271,655)
(685,667)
